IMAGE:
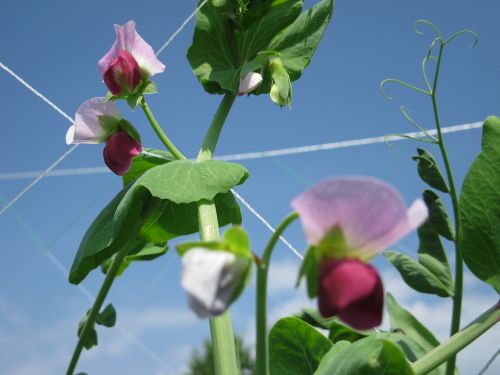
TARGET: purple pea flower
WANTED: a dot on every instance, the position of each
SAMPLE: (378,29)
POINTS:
(129,60)
(349,221)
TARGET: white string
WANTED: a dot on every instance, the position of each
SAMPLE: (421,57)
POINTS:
(165,45)
(36,180)
(266,223)
(256,155)
(36,92)
(489,363)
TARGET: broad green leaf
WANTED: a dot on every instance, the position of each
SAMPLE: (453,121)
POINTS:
(328,358)
(314,318)
(421,339)
(438,217)
(370,356)
(432,256)
(107,317)
(479,209)
(295,348)
(142,162)
(147,252)
(428,170)
(416,275)
(298,42)
(342,332)
(114,228)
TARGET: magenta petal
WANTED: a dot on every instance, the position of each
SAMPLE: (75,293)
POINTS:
(368,211)
(123,73)
(129,40)
(119,151)
(351,290)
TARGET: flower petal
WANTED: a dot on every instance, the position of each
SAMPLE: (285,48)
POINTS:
(87,127)
(210,278)
(119,151)
(249,83)
(369,212)
(352,290)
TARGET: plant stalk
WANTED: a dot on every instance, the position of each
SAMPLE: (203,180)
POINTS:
(457,342)
(225,360)
(457,295)
(159,132)
(101,296)
(262,351)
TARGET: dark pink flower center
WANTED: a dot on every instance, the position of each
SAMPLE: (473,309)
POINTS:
(353,291)
(119,150)
(123,73)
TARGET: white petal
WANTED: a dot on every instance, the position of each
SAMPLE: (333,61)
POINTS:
(249,83)
(70,135)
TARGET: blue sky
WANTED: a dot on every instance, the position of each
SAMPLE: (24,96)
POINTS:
(55,46)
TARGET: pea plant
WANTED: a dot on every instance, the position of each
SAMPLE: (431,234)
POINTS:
(261,47)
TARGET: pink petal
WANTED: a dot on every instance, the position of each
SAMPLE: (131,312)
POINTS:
(129,40)
(353,291)
(369,212)
(88,127)
(123,73)
(119,151)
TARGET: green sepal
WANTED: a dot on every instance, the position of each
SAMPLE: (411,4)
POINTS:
(429,171)
(91,339)
(107,317)
(127,127)
(281,89)
(146,87)
(309,270)
(438,217)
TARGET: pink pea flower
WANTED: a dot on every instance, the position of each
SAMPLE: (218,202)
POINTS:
(129,59)
(119,151)
(98,121)
(349,221)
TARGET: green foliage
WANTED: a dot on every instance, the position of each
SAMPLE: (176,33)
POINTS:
(203,363)
(438,217)
(106,318)
(228,36)
(142,162)
(309,270)
(369,356)
(159,205)
(325,365)
(479,209)
(428,170)
(295,347)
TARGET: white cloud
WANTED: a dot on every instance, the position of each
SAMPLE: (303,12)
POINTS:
(282,276)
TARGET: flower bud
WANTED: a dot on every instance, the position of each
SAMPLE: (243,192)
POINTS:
(281,89)
(249,83)
(211,278)
(351,290)
(123,74)
(119,150)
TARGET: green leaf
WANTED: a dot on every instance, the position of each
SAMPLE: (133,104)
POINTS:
(428,170)
(314,318)
(147,252)
(142,162)
(416,275)
(370,356)
(438,217)
(421,340)
(309,269)
(479,209)
(115,227)
(107,317)
(295,348)
(91,339)
(328,358)
(342,332)
(298,42)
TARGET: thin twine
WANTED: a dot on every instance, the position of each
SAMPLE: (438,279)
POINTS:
(489,363)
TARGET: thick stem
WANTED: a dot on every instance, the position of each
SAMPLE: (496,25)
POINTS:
(457,342)
(225,360)
(457,296)
(261,309)
(159,132)
(101,296)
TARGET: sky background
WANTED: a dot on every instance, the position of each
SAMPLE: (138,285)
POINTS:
(55,46)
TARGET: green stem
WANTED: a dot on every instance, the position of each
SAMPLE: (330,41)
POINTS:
(101,296)
(457,296)
(261,309)
(457,342)
(159,132)
(221,328)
